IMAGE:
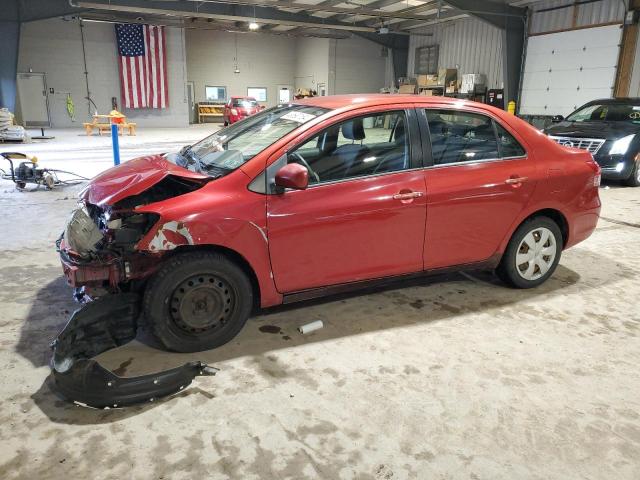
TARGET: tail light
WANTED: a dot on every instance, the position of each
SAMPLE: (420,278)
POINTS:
(596,179)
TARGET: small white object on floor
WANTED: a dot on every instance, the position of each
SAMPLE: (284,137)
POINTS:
(311,327)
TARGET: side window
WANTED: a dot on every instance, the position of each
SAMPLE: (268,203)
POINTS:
(461,136)
(358,147)
(509,146)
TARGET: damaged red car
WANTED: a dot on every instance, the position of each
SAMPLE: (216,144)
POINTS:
(324,195)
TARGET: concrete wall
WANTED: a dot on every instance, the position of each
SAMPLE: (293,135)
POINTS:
(264,61)
(312,63)
(356,65)
(55,48)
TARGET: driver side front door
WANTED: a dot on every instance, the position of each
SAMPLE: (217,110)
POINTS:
(363,215)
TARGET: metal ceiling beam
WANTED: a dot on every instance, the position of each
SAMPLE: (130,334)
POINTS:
(396,14)
(446,15)
(219,11)
(370,10)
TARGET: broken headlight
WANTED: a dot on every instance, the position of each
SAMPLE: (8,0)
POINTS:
(82,235)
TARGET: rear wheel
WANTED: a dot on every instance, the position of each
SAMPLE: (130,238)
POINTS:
(197,301)
(532,255)
(634,179)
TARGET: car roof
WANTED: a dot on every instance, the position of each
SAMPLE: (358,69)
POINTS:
(333,102)
(242,98)
(609,101)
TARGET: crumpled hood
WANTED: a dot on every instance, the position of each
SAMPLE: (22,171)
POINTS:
(132,178)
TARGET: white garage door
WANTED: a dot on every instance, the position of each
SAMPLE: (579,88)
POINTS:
(565,70)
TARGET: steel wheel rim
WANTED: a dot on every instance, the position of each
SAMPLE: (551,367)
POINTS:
(536,253)
(202,303)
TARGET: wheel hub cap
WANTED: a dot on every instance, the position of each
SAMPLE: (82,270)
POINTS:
(201,303)
(536,253)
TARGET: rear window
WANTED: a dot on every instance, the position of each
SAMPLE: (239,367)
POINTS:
(242,102)
(458,136)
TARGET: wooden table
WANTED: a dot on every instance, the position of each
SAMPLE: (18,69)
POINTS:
(105,124)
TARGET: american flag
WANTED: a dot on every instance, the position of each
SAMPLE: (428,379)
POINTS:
(143,65)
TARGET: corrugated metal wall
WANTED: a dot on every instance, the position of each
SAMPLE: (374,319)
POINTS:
(604,11)
(470,44)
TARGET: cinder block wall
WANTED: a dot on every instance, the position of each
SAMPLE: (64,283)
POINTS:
(55,48)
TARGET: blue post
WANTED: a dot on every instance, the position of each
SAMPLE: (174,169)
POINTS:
(114,142)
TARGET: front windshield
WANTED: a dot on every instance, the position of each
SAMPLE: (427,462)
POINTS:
(607,112)
(230,147)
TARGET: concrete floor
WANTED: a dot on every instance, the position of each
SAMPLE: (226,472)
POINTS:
(449,377)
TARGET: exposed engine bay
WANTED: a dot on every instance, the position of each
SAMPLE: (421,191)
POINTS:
(99,254)
(98,245)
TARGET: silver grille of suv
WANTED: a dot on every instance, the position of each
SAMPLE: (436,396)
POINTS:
(592,145)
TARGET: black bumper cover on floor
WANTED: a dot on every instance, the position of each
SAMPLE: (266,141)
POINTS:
(106,323)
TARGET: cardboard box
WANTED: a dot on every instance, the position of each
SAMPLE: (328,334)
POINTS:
(472,82)
(447,75)
(427,80)
(426,93)
(407,89)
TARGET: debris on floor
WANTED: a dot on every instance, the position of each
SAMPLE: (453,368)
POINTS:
(9,131)
(100,325)
(311,327)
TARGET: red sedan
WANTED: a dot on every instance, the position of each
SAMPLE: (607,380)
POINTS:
(323,195)
(238,108)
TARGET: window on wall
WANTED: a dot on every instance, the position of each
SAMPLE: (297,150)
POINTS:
(426,61)
(259,93)
(215,94)
(369,145)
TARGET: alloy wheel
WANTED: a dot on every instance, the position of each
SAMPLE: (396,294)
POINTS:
(536,253)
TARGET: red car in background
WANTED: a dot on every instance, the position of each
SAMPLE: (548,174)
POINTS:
(323,195)
(238,108)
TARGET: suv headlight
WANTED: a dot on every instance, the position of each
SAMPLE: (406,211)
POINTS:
(621,145)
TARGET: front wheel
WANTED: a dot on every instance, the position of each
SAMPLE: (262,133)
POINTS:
(634,179)
(197,301)
(532,255)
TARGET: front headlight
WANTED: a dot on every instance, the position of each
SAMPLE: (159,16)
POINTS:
(621,145)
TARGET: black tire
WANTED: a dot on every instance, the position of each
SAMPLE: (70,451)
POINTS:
(508,271)
(634,178)
(197,301)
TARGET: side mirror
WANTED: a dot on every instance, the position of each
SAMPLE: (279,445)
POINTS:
(293,176)
(557,118)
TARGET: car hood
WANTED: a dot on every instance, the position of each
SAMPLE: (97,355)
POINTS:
(134,177)
(592,129)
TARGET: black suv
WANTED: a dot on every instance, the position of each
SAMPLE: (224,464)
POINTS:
(610,130)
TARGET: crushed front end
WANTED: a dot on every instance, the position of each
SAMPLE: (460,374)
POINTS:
(102,262)
(98,249)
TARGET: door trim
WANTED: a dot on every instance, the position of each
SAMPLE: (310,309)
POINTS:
(488,264)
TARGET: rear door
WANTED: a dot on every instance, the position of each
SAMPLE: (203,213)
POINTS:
(479,178)
(363,214)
